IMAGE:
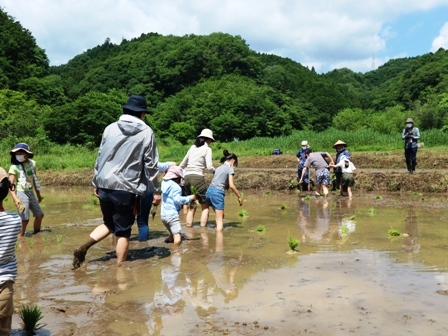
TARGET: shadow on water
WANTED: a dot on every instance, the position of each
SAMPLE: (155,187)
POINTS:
(349,275)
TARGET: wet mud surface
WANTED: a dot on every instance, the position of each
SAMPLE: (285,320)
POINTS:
(347,276)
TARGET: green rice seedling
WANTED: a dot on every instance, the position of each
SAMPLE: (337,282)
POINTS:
(242,213)
(95,200)
(87,206)
(344,229)
(352,217)
(394,233)
(30,316)
(423,199)
(261,228)
(293,243)
(59,238)
(307,198)
(193,189)
(283,206)
(414,193)
(378,197)
(268,192)
(372,211)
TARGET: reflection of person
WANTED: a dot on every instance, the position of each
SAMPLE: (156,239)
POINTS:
(322,170)
(198,158)
(10,226)
(222,180)
(300,162)
(125,167)
(146,205)
(410,136)
(223,274)
(348,175)
(172,201)
(314,230)
(410,240)
(341,152)
(22,173)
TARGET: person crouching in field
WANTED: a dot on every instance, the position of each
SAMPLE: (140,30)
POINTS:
(172,201)
(222,180)
(348,175)
(322,170)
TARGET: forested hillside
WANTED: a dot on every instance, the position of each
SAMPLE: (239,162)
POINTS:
(213,81)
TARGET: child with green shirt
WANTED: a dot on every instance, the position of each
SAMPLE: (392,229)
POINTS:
(22,173)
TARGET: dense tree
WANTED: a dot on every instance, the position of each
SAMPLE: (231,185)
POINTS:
(20,57)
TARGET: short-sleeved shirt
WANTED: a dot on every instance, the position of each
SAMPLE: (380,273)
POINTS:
(317,161)
(10,226)
(221,178)
(24,178)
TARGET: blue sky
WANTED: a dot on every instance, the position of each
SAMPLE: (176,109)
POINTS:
(326,35)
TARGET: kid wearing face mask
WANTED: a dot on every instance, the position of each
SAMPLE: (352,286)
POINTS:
(410,135)
(22,174)
(300,162)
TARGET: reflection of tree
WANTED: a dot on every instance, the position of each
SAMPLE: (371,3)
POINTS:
(410,241)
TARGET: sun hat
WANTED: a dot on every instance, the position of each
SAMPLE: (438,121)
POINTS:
(173,172)
(3,174)
(136,103)
(339,142)
(22,146)
(304,143)
(409,120)
(206,133)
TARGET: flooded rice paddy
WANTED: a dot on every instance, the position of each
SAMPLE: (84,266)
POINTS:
(348,276)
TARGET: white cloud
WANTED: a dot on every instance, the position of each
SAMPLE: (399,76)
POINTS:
(441,41)
(320,32)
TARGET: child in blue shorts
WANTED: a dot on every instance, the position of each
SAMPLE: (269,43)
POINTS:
(222,180)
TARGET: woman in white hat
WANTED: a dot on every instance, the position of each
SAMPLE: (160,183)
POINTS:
(197,159)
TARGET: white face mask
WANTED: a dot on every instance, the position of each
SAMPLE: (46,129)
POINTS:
(304,147)
(408,125)
(20,158)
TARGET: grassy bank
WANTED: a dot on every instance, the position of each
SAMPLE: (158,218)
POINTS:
(71,158)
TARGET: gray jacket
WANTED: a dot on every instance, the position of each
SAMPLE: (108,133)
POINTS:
(127,158)
(411,141)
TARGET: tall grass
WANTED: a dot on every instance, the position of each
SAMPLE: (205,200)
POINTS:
(69,157)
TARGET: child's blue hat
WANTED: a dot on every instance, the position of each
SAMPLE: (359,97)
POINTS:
(24,147)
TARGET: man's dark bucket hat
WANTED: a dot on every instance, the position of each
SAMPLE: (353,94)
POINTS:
(136,103)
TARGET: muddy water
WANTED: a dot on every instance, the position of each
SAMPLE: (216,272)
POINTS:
(348,276)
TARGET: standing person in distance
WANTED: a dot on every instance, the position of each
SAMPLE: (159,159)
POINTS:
(222,180)
(300,162)
(410,136)
(125,167)
(197,159)
(341,151)
(22,173)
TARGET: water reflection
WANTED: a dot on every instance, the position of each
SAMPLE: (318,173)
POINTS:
(213,283)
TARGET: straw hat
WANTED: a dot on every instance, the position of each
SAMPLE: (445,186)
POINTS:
(409,120)
(339,142)
(304,143)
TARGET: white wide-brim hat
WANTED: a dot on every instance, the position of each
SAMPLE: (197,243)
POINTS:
(206,133)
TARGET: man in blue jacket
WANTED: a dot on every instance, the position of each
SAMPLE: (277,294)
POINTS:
(410,136)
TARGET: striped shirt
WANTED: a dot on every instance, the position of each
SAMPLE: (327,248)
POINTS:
(10,226)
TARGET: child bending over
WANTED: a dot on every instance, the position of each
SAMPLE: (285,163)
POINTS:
(222,180)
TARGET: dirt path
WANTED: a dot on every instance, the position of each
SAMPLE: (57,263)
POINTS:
(377,172)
